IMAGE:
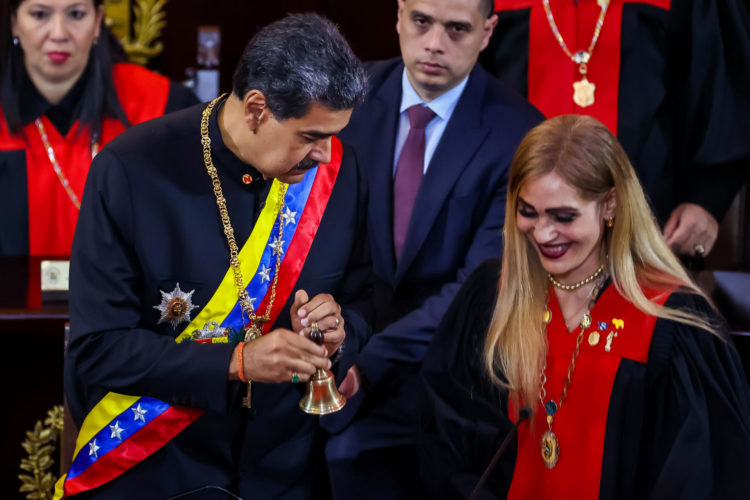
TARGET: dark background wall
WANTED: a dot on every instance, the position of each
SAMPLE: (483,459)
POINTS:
(370,28)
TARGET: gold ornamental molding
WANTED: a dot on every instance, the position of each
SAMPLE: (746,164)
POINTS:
(41,444)
(138,25)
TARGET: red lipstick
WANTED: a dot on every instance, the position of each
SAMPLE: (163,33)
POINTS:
(554,251)
(58,57)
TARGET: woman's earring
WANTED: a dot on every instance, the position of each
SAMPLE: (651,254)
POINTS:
(15,41)
(610,222)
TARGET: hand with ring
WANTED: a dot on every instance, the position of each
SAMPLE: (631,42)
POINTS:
(322,311)
(691,230)
(278,357)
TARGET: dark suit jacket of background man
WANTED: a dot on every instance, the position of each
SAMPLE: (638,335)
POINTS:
(456,223)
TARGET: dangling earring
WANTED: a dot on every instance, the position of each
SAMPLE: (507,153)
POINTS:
(610,222)
(15,41)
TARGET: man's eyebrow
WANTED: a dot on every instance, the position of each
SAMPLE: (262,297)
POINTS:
(459,24)
(317,134)
(415,14)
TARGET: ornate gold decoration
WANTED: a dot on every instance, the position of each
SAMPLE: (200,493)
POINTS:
(139,35)
(41,444)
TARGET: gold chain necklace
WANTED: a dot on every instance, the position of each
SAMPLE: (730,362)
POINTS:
(56,166)
(583,90)
(254,331)
(550,445)
(244,298)
(576,286)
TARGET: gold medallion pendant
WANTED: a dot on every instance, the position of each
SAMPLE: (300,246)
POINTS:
(550,449)
(583,92)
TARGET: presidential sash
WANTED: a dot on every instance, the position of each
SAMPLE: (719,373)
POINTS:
(121,431)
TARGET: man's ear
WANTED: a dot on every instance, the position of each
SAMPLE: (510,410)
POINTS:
(489,27)
(255,109)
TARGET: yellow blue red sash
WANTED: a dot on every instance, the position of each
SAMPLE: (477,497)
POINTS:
(121,431)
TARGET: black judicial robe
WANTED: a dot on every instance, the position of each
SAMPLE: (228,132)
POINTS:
(672,82)
(148,221)
(677,426)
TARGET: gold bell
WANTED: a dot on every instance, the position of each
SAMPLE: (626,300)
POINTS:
(322,397)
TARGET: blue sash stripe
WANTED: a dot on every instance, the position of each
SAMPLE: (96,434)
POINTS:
(129,421)
(294,201)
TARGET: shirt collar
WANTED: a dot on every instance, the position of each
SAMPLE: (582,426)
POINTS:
(442,106)
(62,115)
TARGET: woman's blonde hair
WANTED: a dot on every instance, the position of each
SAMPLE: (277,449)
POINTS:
(585,154)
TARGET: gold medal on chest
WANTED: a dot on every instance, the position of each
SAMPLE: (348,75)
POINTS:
(175,306)
(550,449)
(594,338)
(583,92)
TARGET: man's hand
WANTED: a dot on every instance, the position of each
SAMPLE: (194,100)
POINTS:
(324,311)
(352,382)
(278,355)
(691,229)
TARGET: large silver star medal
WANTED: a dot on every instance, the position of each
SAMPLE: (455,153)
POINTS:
(175,306)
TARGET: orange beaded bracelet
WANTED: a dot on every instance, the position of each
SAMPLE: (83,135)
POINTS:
(240,365)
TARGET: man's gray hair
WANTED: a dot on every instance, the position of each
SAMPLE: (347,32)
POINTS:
(298,60)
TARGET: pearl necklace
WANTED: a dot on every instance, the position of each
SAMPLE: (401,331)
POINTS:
(576,286)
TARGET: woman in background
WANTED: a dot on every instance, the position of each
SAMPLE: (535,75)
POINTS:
(63,95)
(635,387)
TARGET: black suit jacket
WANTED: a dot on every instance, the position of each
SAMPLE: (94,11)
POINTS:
(149,220)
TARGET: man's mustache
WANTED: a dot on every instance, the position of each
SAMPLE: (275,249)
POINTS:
(306,164)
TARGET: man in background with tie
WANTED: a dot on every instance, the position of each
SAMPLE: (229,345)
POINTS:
(436,135)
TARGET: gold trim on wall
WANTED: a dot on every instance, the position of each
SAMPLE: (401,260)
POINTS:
(138,25)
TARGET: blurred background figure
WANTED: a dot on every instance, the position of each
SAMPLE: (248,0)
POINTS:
(65,91)
(636,389)
(669,79)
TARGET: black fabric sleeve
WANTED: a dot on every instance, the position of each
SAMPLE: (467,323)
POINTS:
(712,146)
(697,412)
(109,348)
(180,97)
(463,417)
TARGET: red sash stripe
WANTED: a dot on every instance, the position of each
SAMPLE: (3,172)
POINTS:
(134,449)
(309,221)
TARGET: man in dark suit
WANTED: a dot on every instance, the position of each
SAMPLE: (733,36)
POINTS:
(201,237)
(434,110)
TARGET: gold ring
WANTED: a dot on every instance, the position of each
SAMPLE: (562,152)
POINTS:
(295,377)
(314,327)
(699,250)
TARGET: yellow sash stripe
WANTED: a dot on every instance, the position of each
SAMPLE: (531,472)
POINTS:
(102,415)
(225,297)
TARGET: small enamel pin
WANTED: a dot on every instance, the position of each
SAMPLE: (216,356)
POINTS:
(603,325)
(610,338)
(175,306)
(618,323)
(210,330)
(593,338)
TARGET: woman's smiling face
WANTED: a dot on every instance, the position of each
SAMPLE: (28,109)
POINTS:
(565,229)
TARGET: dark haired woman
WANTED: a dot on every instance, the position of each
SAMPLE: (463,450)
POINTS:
(635,387)
(62,97)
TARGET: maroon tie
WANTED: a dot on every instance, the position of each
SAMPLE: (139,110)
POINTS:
(409,174)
